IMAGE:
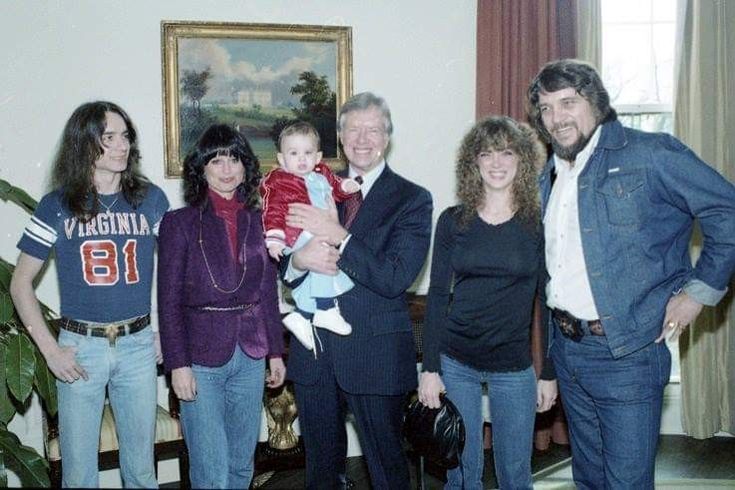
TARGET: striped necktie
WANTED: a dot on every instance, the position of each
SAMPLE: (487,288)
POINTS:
(352,205)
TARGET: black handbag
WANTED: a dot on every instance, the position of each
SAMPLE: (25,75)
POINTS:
(436,434)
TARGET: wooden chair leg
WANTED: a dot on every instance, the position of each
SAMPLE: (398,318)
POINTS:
(55,474)
(184,469)
(420,485)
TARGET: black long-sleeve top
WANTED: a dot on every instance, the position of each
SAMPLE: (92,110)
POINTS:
(484,279)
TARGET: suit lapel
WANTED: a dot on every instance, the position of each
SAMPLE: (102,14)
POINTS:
(377,202)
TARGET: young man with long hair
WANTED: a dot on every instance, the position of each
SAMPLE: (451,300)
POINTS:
(101,221)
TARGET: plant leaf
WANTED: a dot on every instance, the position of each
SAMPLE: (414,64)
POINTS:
(32,467)
(20,365)
(17,195)
(7,310)
(3,472)
(6,272)
(45,383)
(7,409)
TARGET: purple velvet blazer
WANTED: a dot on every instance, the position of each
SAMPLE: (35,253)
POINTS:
(198,323)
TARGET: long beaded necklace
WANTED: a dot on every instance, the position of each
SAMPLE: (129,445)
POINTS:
(209,270)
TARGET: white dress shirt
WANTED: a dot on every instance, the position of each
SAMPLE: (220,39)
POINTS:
(369,178)
(569,287)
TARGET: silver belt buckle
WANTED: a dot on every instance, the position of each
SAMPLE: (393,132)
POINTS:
(111,331)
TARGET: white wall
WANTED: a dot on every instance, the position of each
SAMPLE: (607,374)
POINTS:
(418,54)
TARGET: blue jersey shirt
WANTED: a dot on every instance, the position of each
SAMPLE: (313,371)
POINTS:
(105,265)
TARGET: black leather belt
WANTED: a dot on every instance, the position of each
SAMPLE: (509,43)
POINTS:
(575,328)
(110,330)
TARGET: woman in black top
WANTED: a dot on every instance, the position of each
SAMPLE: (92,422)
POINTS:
(487,266)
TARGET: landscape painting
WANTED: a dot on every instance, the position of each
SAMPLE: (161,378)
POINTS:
(257,78)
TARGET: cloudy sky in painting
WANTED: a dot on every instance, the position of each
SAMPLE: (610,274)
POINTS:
(241,64)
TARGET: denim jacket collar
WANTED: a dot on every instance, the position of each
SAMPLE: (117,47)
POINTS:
(612,138)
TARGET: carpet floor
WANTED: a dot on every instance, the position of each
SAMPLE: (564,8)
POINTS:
(559,477)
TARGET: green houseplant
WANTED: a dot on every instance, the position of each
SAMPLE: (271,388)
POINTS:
(23,370)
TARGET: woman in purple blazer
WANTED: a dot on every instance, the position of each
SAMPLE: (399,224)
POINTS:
(218,309)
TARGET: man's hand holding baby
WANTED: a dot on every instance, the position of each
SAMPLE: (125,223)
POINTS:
(350,186)
(319,222)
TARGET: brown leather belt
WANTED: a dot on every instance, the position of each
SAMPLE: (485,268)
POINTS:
(110,330)
(575,328)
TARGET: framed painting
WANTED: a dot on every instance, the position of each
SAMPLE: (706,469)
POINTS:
(258,78)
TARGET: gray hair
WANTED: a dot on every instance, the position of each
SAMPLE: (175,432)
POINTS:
(361,102)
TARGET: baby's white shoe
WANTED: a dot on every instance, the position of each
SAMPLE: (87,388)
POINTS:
(300,327)
(332,320)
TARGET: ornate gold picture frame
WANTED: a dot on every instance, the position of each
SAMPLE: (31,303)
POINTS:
(256,77)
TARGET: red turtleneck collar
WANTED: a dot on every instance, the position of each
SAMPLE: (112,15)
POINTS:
(227,210)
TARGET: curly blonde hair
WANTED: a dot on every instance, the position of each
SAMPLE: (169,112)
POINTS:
(500,133)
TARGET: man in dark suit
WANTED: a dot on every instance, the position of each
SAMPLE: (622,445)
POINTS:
(382,248)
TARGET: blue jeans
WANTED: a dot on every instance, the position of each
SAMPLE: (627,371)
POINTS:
(221,426)
(513,408)
(128,370)
(613,407)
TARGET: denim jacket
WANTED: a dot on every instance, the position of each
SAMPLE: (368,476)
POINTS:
(639,195)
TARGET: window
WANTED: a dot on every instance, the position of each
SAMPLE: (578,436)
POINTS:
(638,61)
(638,38)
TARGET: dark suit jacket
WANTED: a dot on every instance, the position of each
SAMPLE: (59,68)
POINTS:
(389,244)
(192,335)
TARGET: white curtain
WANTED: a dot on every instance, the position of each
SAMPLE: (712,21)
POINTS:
(589,32)
(704,118)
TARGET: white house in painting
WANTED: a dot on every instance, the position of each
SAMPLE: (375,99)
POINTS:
(249,98)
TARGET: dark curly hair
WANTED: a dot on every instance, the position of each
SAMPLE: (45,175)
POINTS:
(218,140)
(79,149)
(500,133)
(561,74)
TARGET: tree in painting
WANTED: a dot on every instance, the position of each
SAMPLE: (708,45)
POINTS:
(194,86)
(318,106)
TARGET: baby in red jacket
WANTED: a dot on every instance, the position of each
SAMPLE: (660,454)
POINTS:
(302,178)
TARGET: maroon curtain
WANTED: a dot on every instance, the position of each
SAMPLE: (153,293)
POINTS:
(514,39)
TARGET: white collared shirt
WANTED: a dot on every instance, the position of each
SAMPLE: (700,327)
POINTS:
(369,178)
(569,287)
